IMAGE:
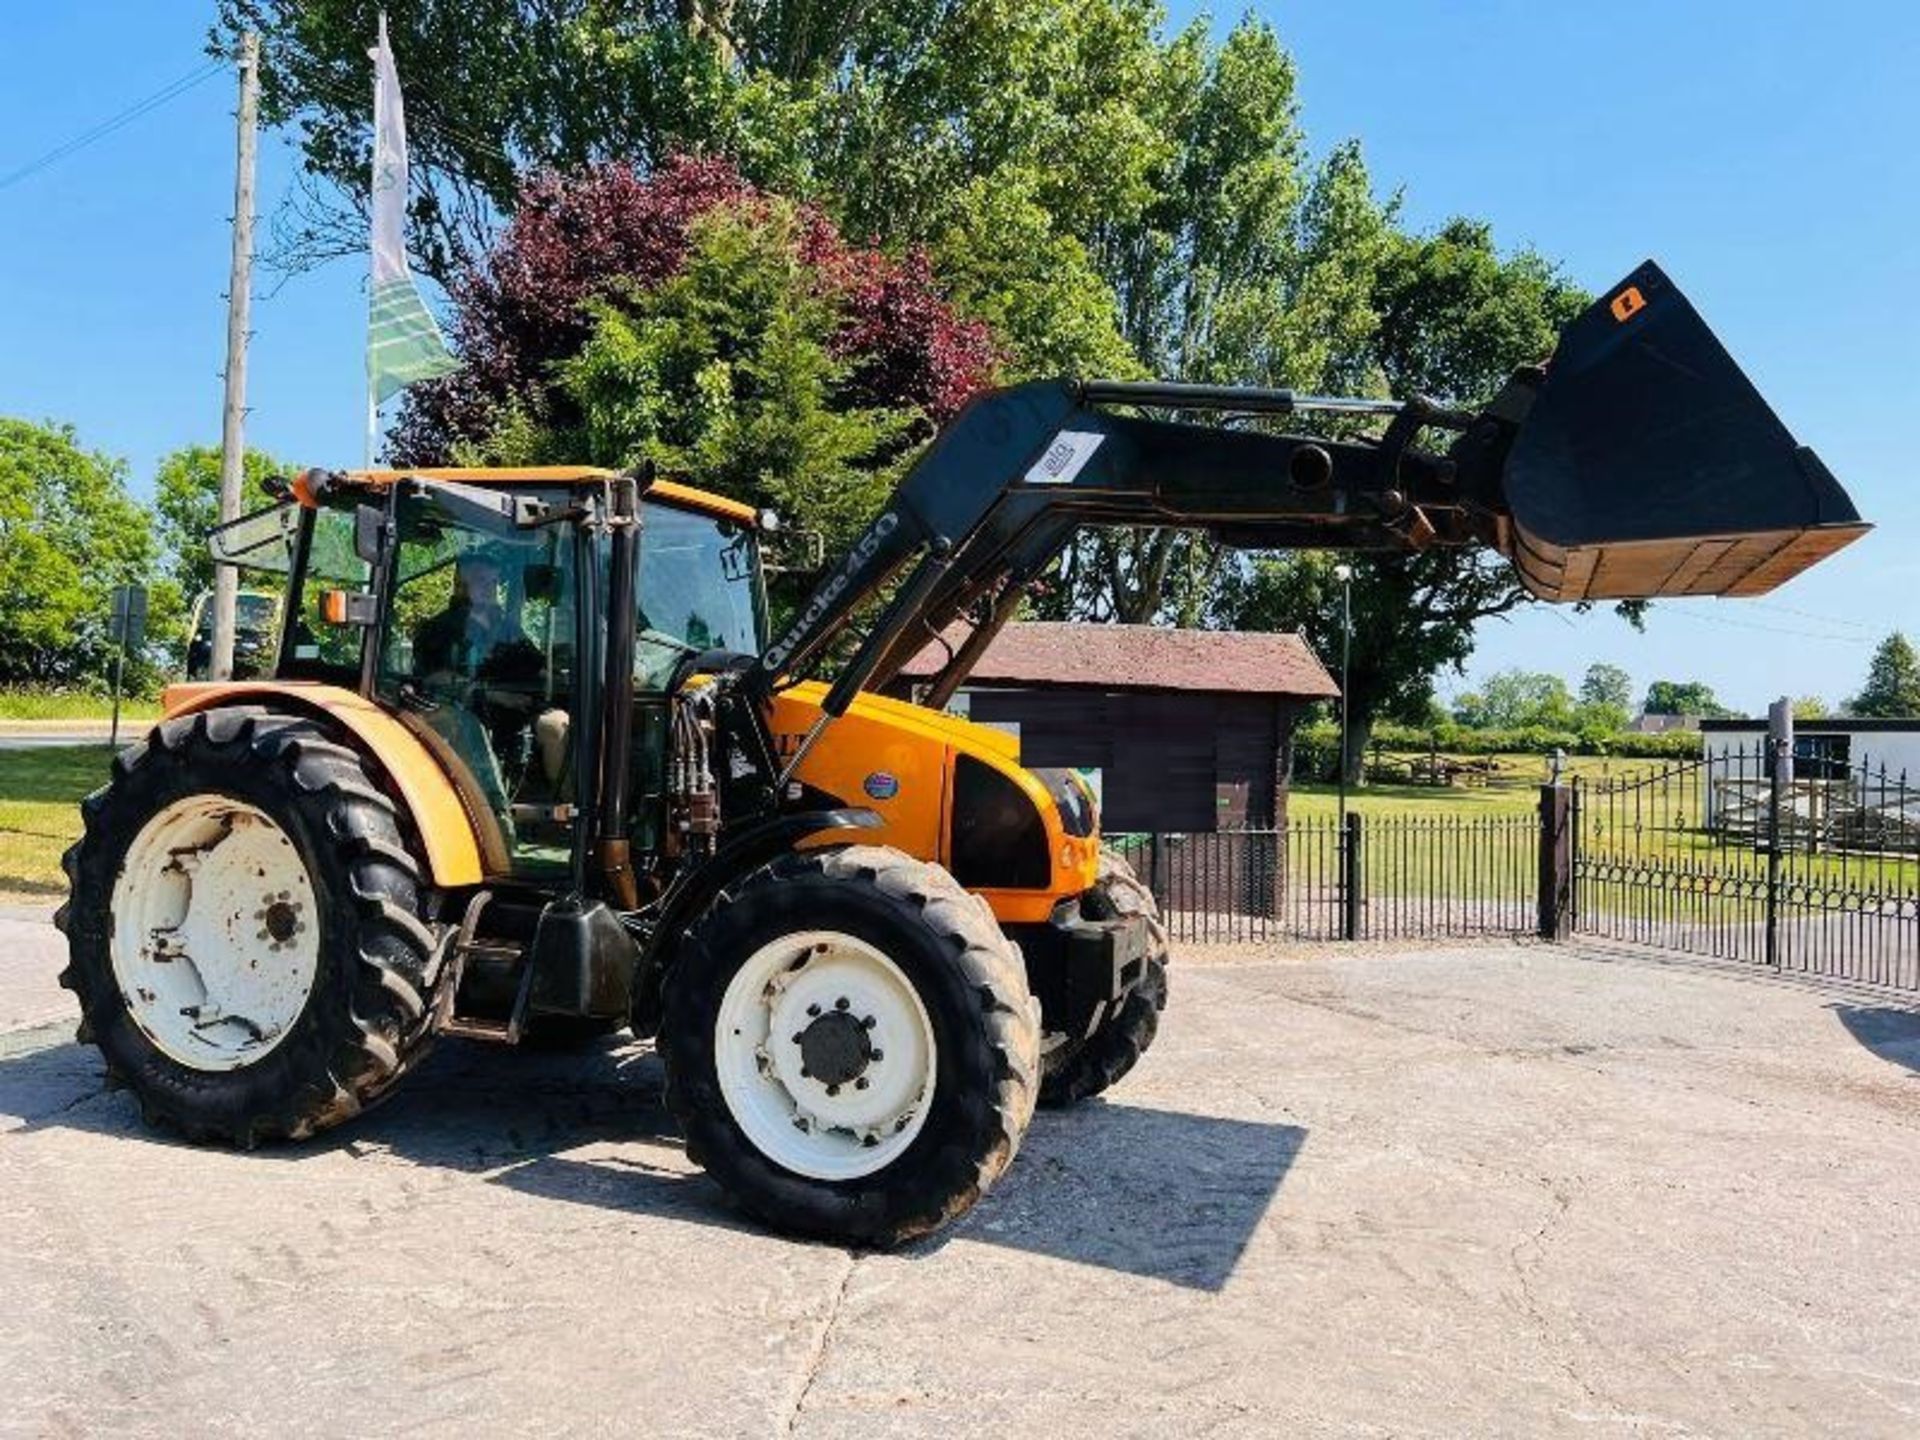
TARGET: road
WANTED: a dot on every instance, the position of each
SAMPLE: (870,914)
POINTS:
(25,735)
(1502,1189)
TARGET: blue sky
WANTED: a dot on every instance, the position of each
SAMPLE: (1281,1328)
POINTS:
(1768,154)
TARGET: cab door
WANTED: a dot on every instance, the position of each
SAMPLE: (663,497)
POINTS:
(479,655)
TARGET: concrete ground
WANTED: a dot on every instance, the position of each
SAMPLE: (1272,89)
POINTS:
(1492,1190)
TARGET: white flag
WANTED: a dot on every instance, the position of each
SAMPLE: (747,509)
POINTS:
(403,341)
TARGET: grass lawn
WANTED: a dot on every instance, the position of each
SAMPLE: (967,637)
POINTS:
(40,792)
(1714,874)
(1321,802)
(1513,788)
(70,705)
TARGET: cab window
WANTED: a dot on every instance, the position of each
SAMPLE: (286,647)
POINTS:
(699,589)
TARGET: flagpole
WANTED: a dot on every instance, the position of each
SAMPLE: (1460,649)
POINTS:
(373,423)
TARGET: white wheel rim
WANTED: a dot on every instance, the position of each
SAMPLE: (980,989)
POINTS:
(818,993)
(216,938)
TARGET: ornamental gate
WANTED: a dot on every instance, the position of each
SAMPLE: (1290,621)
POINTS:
(1811,865)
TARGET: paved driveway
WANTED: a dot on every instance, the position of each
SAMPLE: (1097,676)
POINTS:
(1483,1190)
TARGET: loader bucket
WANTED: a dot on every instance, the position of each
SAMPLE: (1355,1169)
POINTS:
(1648,465)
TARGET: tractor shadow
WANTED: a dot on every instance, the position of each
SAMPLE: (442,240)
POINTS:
(1163,1194)
(1891,1033)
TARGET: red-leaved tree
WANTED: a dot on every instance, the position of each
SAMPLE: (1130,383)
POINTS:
(575,238)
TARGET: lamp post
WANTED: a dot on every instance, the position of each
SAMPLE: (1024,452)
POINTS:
(1344,574)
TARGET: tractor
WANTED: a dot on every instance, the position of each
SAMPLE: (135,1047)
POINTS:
(531,763)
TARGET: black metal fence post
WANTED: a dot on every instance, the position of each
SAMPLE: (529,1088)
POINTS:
(1779,778)
(1352,877)
(1556,860)
(1157,870)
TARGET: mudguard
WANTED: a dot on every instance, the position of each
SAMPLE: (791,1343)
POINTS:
(743,852)
(446,831)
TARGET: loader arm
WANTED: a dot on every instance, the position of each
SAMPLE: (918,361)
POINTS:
(1638,462)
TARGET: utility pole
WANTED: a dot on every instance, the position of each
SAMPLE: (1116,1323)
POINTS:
(233,417)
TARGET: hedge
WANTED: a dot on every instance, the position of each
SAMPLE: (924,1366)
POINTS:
(1316,746)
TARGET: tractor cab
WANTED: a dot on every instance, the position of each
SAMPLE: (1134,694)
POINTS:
(472,607)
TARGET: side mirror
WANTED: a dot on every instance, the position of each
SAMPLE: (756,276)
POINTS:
(348,607)
(369,526)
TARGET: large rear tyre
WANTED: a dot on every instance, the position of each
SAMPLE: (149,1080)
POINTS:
(1080,1069)
(850,1047)
(244,929)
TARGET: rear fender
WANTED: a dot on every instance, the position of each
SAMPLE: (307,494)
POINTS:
(447,835)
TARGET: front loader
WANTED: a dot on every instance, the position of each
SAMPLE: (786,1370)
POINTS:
(530,763)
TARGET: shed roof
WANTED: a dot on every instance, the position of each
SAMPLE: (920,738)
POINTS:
(1143,657)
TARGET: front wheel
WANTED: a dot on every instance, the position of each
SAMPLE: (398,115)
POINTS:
(850,1047)
(1080,1069)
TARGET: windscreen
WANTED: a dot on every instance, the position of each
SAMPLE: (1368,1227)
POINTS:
(699,589)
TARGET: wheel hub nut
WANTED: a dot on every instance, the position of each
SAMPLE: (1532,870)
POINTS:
(834,1050)
(281,919)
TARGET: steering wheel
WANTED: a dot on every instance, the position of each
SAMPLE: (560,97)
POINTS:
(654,676)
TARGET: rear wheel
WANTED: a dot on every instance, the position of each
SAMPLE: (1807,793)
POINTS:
(244,929)
(1080,1069)
(850,1046)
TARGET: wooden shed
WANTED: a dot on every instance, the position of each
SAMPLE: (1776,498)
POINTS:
(1191,730)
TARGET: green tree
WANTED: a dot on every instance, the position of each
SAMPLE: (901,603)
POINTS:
(1305,321)
(1605,684)
(1893,681)
(1074,170)
(500,89)
(1407,624)
(1456,316)
(1001,261)
(726,375)
(1683,697)
(1514,698)
(1453,318)
(885,113)
(186,504)
(1606,701)
(69,533)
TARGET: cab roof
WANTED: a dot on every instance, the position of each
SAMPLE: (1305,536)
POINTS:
(668,492)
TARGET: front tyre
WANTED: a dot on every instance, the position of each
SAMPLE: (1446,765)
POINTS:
(1080,1069)
(850,1047)
(244,929)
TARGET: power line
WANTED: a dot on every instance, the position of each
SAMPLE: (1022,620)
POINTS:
(1686,614)
(112,123)
(353,102)
(1808,614)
